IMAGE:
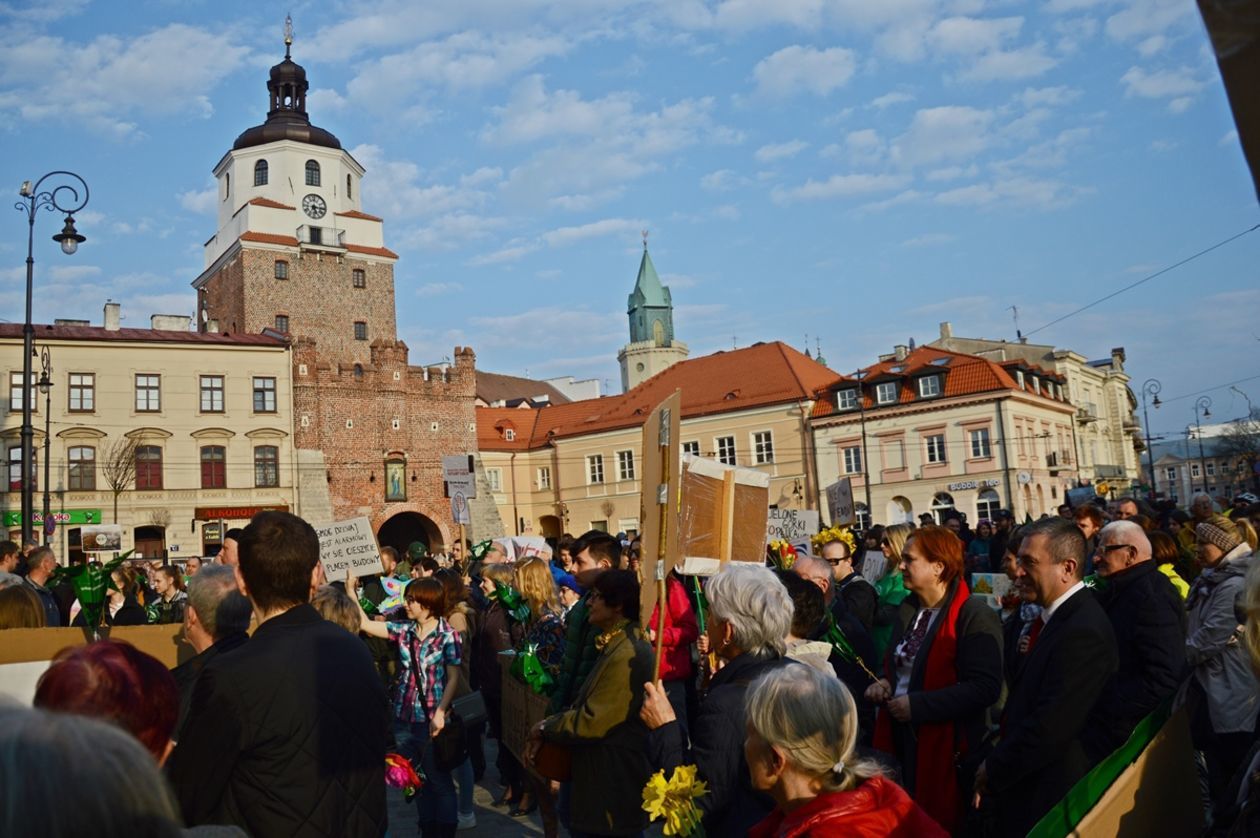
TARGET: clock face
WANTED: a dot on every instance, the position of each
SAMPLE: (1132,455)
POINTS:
(314,206)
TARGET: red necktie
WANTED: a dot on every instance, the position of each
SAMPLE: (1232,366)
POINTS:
(1035,632)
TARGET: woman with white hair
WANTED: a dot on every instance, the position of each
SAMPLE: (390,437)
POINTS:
(750,617)
(800,748)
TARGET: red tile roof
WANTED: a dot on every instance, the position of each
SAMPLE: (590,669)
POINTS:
(371,251)
(269,238)
(357,214)
(757,376)
(99,333)
(267,202)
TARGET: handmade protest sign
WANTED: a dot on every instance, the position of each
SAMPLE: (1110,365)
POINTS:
(791,525)
(349,546)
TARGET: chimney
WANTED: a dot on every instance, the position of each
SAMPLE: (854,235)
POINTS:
(113,317)
(947,330)
(900,351)
(212,326)
(1117,358)
(170,322)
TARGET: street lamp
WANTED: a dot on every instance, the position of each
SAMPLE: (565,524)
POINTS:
(1150,388)
(866,474)
(1201,409)
(63,197)
(45,387)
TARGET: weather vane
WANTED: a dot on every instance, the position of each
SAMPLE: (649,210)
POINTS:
(645,238)
(288,34)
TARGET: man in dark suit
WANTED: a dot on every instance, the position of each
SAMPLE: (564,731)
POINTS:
(215,622)
(285,735)
(1150,625)
(1072,656)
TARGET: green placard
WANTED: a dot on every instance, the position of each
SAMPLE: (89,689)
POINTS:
(13,517)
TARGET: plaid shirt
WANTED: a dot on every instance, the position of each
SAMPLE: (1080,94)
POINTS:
(422,679)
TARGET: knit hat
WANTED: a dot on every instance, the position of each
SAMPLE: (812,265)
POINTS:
(1220,531)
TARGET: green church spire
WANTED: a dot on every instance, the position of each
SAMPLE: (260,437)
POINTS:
(650,307)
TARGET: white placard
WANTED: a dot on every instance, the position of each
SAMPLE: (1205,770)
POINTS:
(459,508)
(348,545)
(102,538)
(457,471)
(992,586)
(840,502)
(791,525)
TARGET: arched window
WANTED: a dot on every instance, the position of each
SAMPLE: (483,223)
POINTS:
(312,173)
(260,173)
(987,505)
(349,189)
(942,502)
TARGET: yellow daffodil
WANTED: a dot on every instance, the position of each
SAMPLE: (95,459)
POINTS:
(674,800)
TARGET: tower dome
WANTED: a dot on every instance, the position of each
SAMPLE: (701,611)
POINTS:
(287,118)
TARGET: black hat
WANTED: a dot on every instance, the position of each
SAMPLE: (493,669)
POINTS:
(1003,515)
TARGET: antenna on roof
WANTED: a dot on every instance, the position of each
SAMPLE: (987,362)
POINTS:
(1015,315)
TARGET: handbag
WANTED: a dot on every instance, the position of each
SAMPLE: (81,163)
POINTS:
(450,747)
(471,708)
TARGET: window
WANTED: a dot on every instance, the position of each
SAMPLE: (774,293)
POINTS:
(846,399)
(544,477)
(980,448)
(15,392)
(509,435)
(886,392)
(349,188)
(359,278)
(594,468)
(625,465)
(82,392)
(987,505)
(315,235)
(602,526)
(81,473)
(282,323)
(211,394)
(692,448)
(266,466)
(282,269)
(312,173)
(1036,384)
(227,186)
(726,450)
(763,447)
(863,516)
(494,476)
(1194,469)
(360,330)
(852,460)
(1019,378)
(260,173)
(1171,474)
(148,467)
(1211,469)
(148,393)
(929,385)
(935,448)
(264,395)
(213,467)
(15,468)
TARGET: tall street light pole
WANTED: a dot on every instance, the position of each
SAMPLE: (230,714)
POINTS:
(866,469)
(62,197)
(45,387)
(1150,388)
(1201,409)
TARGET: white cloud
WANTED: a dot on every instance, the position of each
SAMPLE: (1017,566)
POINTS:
(434,289)
(1229,138)
(1178,84)
(564,236)
(973,36)
(721,180)
(73,273)
(536,114)
(929,240)
(895,97)
(798,69)
(1144,18)
(1006,65)
(952,173)
(511,253)
(840,186)
(865,146)
(780,151)
(202,202)
(946,133)
(398,188)
(1034,97)
(1016,192)
(452,231)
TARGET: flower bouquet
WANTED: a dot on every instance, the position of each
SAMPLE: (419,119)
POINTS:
(674,800)
(782,554)
(400,775)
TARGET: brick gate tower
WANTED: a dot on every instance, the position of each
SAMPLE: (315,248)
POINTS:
(295,254)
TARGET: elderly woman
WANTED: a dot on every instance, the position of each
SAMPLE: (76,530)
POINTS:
(800,748)
(891,588)
(750,617)
(1222,695)
(943,674)
(602,730)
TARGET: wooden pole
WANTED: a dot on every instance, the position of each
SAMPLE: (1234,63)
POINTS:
(463,550)
(662,545)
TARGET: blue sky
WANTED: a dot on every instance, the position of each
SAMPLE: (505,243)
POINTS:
(856,171)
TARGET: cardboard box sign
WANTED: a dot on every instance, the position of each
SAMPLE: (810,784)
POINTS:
(348,546)
(791,525)
(724,514)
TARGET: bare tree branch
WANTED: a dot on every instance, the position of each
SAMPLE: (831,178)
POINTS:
(119,467)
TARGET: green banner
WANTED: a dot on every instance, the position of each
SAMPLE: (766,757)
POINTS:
(13,517)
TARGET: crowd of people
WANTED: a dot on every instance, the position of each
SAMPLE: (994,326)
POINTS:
(858,688)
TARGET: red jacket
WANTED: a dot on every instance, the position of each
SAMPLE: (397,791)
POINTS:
(680,631)
(877,808)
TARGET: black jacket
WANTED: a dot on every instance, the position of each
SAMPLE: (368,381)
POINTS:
(732,806)
(859,597)
(186,673)
(1150,625)
(1041,756)
(130,614)
(978,661)
(285,736)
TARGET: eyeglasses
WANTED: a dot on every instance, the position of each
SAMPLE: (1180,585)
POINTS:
(1107,548)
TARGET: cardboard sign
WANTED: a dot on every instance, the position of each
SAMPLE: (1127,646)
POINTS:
(102,539)
(459,508)
(457,471)
(723,515)
(658,502)
(791,525)
(840,502)
(522,709)
(348,546)
(992,586)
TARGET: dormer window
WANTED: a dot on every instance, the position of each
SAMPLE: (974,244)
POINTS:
(260,173)
(929,386)
(509,435)
(1019,378)
(847,399)
(886,392)
(1036,385)
(312,173)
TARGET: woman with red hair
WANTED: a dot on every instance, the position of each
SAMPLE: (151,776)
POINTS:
(943,674)
(118,683)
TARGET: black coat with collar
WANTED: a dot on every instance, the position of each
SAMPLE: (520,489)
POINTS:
(1150,626)
(1041,754)
(186,673)
(285,735)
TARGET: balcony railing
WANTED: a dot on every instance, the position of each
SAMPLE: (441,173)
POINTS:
(314,236)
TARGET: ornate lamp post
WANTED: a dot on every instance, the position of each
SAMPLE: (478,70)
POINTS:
(1201,409)
(1151,388)
(866,474)
(65,198)
(45,387)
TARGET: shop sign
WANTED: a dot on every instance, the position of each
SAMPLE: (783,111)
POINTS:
(991,483)
(235,513)
(13,518)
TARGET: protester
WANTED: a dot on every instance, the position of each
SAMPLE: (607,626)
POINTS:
(1071,657)
(809,610)
(852,589)
(977,555)
(21,608)
(337,607)
(890,589)
(122,606)
(168,608)
(229,554)
(285,734)
(115,682)
(40,564)
(593,553)
(569,593)
(602,731)
(750,617)
(1167,556)
(461,617)
(800,749)
(9,555)
(191,568)
(1020,611)
(497,633)
(681,631)
(1222,696)
(215,622)
(1239,812)
(1149,624)
(943,673)
(1003,523)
